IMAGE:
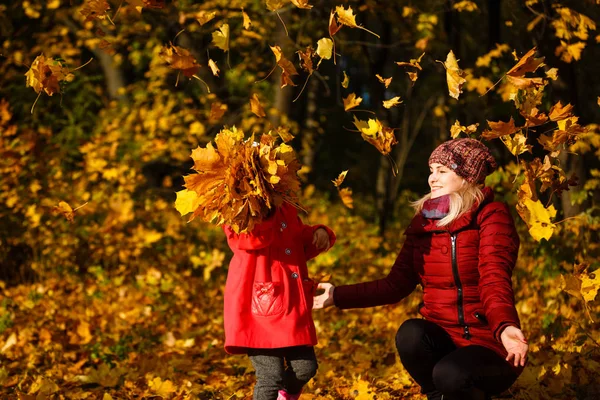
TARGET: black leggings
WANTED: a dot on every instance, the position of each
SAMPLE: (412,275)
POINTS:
(440,368)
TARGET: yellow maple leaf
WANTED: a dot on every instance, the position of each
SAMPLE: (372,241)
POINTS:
(538,219)
(361,390)
(221,37)
(287,68)
(274,5)
(351,101)
(527,63)
(186,201)
(181,59)
(284,133)
(347,17)
(346,196)
(246,20)
(499,129)
(338,181)
(325,48)
(95,9)
(454,75)
(368,128)
(516,144)
(302,4)
(590,285)
(213,67)
(256,107)
(346,82)
(558,112)
(394,101)
(162,388)
(204,16)
(385,81)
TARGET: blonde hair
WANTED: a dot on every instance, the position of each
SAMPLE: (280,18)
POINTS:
(461,201)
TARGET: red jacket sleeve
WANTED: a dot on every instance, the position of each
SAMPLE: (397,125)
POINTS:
(310,250)
(498,250)
(399,283)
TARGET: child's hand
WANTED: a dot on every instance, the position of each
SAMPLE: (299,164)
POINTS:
(321,239)
(325,299)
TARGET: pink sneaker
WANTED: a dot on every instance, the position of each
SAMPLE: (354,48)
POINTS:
(283,395)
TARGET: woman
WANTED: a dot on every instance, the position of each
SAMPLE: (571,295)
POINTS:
(461,247)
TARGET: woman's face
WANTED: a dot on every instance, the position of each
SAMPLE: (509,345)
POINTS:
(442,180)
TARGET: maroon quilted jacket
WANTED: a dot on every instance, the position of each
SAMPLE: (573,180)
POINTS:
(464,268)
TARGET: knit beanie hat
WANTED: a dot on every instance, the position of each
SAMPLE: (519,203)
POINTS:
(468,158)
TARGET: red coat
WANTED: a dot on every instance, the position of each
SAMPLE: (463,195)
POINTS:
(268,294)
(465,270)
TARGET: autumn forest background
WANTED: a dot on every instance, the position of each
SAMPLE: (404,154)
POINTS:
(106,292)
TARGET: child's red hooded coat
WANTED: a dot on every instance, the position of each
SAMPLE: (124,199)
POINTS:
(268,294)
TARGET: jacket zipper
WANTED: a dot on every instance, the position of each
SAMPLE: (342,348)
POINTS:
(459,289)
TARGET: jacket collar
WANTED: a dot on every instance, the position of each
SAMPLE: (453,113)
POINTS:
(420,224)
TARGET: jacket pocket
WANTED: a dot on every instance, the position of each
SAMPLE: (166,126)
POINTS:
(267,299)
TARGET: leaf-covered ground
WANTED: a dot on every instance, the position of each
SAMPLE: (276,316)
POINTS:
(159,334)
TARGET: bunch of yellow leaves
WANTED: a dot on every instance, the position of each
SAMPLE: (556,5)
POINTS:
(239,181)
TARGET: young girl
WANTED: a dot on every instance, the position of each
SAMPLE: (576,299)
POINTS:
(461,247)
(269,299)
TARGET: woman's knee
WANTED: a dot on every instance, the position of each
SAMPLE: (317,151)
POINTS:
(448,377)
(410,335)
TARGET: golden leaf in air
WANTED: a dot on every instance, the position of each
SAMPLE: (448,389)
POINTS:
(284,134)
(375,133)
(346,196)
(516,144)
(306,62)
(213,67)
(180,59)
(204,16)
(338,181)
(394,101)
(65,209)
(47,74)
(287,68)
(457,129)
(527,63)
(256,107)
(414,62)
(217,110)
(351,101)
(347,17)
(465,5)
(454,75)
(95,9)
(274,5)
(221,37)
(334,27)
(325,48)
(385,81)
(538,218)
(499,129)
(558,112)
(246,20)
(302,4)
(552,73)
(346,82)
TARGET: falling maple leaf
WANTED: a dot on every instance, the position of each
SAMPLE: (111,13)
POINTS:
(516,144)
(538,218)
(180,59)
(346,196)
(65,209)
(325,48)
(346,82)
(338,181)
(454,75)
(347,17)
(351,101)
(333,25)
(221,37)
(217,110)
(414,62)
(527,63)
(284,134)
(287,68)
(499,129)
(558,112)
(204,16)
(457,129)
(213,67)
(246,20)
(302,4)
(375,133)
(306,59)
(394,101)
(46,74)
(256,107)
(385,81)
(95,9)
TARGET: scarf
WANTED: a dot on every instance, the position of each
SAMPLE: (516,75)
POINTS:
(436,208)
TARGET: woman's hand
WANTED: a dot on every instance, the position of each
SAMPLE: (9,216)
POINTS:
(325,299)
(515,344)
(321,239)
